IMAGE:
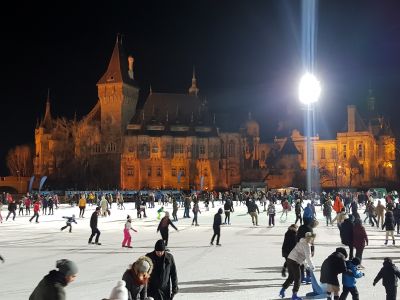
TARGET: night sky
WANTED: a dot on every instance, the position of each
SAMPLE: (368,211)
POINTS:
(247,56)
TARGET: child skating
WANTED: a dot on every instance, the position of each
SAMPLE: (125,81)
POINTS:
(69,222)
(127,235)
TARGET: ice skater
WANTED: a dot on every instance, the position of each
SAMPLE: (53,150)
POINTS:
(36,209)
(127,235)
(163,227)
(196,211)
(389,275)
(159,212)
(217,227)
(69,222)
(93,225)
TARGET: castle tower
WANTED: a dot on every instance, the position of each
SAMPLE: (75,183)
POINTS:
(193,90)
(118,94)
(370,101)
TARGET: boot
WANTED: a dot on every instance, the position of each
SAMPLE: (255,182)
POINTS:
(283,272)
(394,242)
(295,297)
(386,242)
(282,293)
(308,279)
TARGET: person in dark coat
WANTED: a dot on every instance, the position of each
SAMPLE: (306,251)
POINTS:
(228,207)
(163,227)
(12,206)
(332,266)
(396,216)
(93,226)
(389,275)
(346,234)
(137,278)
(389,225)
(163,283)
(297,210)
(217,227)
(51,287)
(289,243)
(360,238)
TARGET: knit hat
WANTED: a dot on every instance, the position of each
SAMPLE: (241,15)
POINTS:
(128,217)
(342,250)
(97,208)
(143,265)
(356,261)
(119,292)
(159,246)
(67,267)
(220,211)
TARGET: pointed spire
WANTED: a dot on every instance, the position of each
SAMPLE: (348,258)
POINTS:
(47,120)
(193,90)
(370,99)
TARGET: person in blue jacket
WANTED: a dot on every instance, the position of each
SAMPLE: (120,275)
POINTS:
(349,279)
(308,214)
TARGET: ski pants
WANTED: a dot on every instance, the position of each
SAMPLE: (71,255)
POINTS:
(127,238)
(352,290)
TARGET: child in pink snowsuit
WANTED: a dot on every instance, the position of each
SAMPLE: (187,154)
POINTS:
(127,235)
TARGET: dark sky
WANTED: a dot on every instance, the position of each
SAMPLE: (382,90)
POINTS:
(247,56)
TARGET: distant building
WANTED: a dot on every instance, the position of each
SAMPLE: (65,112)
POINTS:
(174,141)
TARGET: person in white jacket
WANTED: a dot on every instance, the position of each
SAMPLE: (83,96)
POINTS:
(300,254)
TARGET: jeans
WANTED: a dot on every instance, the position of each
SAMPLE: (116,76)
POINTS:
(95,232)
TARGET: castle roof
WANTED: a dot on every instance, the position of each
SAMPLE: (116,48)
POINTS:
(289,148)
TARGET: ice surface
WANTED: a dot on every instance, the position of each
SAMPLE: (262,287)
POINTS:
(247,266)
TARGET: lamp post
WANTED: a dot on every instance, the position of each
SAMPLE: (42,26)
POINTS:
(309,92)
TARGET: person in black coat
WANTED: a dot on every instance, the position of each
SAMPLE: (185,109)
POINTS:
(346,234)
(163,283)
(289,243)
(217,227)
(228,207)
(12,206)
(93,226)
(389,225)
(332,266)
(396,216)
(390,274)
(163,227)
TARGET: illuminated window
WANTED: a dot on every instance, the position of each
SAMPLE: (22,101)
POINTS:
(158,171)
(179,148)
(231,149)
(323,153)
(149,171)
(344,151)
(182,171)
(202,149)
(333,153)
(360,151)
(130,171)
(173,172)
(154,148)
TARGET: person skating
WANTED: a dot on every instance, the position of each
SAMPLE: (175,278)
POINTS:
(163,283)
(380,212)
(51,287)
(69,222)
(27,206)
(332,266)
(300,254)
(174,210)
(159,212)
(163,227)
(389,275)
(228,208)
(360,238)
(297,210)
(396,216)
(349,279)
(127,235)
(289,243)
(137,278)
(346,234)
(327,211)
(196,210)
(217,227)
(93,225)
(36,209)
(389,226)
(12,206)
(271,214)
(82,206)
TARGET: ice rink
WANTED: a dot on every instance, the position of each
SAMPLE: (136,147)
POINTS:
(247,266)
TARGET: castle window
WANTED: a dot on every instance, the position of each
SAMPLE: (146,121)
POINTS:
(202,149)
(323,153)
(129,172)
(333,153)
(149,171)
(131,148)
(182,171)
(158,171)
(96,148)
(111,147)
(173,172)
(344,151)
(360,151)
(179,148)
(231,149)
(154,148)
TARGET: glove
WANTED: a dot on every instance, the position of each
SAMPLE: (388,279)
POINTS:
(374,283)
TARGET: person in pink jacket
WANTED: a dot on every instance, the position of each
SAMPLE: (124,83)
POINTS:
(127,235)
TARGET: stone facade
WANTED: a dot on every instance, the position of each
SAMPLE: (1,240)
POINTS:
(174,141)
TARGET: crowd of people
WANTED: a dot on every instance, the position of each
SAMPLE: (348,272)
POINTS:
(154,275)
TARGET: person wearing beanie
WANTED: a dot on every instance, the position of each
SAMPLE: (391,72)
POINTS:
(93,225)
(360,238)
(217,227)
(119,292)
(127,236)
(332,266)
(300,254)
(51,287)
(289,243)
(389,275)
(163,283)
(349,279)
(163,227)
(389,225)
(69,222)
(137,278)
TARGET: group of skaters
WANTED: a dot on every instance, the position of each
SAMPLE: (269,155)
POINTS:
(151,277)
(298,249)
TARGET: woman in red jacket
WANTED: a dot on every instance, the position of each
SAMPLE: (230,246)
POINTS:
(360,238)
(36,209)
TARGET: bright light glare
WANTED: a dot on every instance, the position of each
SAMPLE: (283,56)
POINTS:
(309,89)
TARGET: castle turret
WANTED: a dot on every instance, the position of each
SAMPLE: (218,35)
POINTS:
(193,90)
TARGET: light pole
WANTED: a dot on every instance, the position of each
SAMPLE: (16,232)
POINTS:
(309,92)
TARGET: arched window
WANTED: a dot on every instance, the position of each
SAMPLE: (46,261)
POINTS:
(154,148)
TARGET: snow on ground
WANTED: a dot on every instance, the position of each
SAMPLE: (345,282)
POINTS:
(247,266)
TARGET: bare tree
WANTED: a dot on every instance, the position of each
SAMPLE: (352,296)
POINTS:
(20,161)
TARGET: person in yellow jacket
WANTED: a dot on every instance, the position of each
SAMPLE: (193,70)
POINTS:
(82,206)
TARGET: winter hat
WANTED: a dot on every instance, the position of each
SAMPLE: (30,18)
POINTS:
(159,246)
(342,251)
(143,265)
(119,292)
(220,211)
(310,235)
(128,217)
(67,267)
(97,208)
(167,214)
